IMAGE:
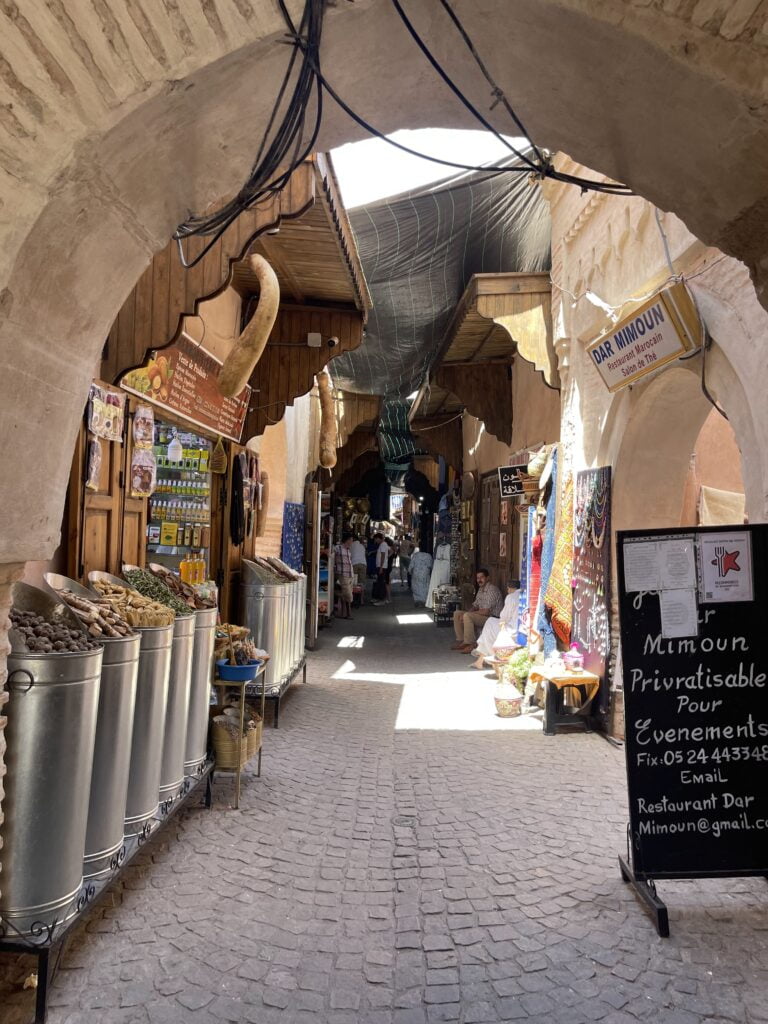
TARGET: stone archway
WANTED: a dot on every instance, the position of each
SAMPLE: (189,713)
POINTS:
(122,123)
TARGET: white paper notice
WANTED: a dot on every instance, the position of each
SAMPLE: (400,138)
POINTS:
(679,613)
(641,566)
(726,567)
(677,562)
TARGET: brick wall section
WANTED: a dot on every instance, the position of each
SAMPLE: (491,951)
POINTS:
(8,575)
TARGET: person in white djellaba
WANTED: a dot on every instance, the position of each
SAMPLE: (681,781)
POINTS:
(492,628)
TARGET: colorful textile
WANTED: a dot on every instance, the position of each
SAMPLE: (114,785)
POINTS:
(543,623)
(559,594)
(534,584)
(292,547)
(521,626)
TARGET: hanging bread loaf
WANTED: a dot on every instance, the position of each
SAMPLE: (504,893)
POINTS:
(327,422)
(261,520)
(239,364)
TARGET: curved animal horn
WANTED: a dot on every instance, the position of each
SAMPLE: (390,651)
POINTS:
(247,350)
(327,421)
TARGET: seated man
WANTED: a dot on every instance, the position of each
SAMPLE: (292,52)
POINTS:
(488,601)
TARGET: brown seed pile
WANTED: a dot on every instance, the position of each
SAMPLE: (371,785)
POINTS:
(39,636)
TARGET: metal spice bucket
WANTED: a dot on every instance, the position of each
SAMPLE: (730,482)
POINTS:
(52,714)
(148,727)
(200,690)
(112,748)
(177,708)
(112,754)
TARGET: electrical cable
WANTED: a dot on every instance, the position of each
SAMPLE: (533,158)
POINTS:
(282,147)
(454,88)
(496,91)
(664,240)
(544,168)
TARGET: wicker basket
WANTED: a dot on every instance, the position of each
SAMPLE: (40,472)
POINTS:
(253,740)
(225,747)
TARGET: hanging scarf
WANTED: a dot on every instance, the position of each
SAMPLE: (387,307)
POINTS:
(559,593)
(521,626)
(543,623)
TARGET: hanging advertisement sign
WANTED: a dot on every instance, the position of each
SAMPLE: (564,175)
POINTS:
(184,379)
(656,332)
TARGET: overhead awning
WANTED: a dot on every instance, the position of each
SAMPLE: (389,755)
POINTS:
(419,251)
(498,317)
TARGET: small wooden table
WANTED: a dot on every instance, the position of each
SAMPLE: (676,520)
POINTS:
(222,685)
(576,684)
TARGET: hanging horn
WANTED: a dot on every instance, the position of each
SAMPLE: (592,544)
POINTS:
(247,350)
(327,421)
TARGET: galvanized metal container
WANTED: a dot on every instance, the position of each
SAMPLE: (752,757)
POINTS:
(200,689)
(148,727)
(112,749)
(50,734)
(112,754)
(264,615)
(177,708)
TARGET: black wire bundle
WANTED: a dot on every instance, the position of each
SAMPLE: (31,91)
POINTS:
(281,149)
(274,163)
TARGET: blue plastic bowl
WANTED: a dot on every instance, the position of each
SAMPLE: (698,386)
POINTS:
(237,673)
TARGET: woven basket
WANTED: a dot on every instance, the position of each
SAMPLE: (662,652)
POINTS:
(253,740)
(225,747)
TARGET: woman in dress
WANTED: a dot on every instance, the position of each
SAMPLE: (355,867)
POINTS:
(492,628)
(421,567)
(441,569)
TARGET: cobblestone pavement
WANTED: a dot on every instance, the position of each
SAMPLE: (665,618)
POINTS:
(407,858)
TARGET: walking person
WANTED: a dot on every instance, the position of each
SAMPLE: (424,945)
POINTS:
(406,550)
(345,574)
(382,563)
(488,601)
(357,551)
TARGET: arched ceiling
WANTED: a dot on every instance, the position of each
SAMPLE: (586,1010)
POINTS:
(118,120)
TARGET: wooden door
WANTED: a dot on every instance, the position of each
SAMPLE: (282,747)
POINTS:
(498,532)
(106,526)
(225,557)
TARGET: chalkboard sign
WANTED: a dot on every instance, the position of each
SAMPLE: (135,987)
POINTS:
(510,484)
(694,641)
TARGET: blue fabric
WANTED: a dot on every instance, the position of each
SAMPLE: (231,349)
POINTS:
(543,625)
(292,547)
(522,608)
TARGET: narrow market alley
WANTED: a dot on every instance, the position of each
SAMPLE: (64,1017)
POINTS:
(381,872)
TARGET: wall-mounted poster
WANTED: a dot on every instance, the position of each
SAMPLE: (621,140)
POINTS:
(502,545)
(106,413)
(504,513)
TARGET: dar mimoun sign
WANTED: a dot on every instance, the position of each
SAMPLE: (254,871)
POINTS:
(656,332)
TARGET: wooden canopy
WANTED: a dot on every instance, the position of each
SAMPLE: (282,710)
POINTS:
(499,316)
(304,233)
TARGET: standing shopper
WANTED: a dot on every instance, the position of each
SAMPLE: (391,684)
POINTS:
(382,563)
(357,551)
(488,601)
(345,574)
(406,550)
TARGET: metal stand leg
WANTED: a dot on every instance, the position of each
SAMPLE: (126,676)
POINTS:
(646,891)
(276,721)
(209,791)
(43,980)
(304,672)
